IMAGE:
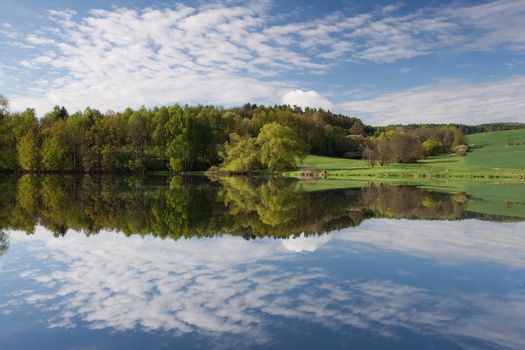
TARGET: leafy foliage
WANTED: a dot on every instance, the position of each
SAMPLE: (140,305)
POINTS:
(240,155)
(281,148)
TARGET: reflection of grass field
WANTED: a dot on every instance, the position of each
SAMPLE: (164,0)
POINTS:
(492,158)
(500,199)
(505,199)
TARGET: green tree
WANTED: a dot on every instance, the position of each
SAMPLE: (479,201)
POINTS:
(160,131)
(137,135)
(431,148)
(27,134)
(240,155)
(281,148)
(28,151)
(7,139)
(55,148)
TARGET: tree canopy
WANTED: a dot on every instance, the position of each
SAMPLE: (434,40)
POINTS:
(281,148)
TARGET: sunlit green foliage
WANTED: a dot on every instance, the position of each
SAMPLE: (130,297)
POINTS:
(281,148)
(240,154)
(431,147)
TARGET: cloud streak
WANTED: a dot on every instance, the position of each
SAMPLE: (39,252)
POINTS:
(449,101)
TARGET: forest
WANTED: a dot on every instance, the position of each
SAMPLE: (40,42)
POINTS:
(197,138)
(466,129)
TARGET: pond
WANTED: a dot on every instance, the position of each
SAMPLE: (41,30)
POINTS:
(107,262)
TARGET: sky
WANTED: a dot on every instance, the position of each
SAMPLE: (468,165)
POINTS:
(382,61)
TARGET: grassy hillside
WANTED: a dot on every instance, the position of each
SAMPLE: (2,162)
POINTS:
(490,158)
(491,149)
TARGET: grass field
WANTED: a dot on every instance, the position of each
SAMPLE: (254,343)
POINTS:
(492,151)
(490,158)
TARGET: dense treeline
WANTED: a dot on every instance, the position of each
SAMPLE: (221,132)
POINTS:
(175,138)
(197,207)
(466,129)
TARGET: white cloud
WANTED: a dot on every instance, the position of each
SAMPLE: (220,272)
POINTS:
(37,40)
(305,244)
(448,101)
(496,24)
(27,64)
(302,98)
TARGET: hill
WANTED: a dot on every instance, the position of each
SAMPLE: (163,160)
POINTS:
(500,149)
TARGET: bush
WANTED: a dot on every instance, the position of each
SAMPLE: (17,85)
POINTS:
(461,150)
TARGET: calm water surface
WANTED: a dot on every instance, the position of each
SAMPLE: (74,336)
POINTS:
(163,263)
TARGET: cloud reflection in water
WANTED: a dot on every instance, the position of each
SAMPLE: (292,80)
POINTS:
(230,286)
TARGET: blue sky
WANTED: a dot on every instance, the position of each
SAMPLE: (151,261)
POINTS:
(385,62)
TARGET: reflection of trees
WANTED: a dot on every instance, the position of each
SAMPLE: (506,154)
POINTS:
(199,207)
(4,242)
(410,202)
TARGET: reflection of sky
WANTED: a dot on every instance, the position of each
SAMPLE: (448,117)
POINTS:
(447,241)
(458,283)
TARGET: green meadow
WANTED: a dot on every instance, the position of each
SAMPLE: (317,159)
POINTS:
(492,149)
(493,155)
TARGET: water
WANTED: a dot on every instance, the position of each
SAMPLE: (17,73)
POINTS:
(135,263)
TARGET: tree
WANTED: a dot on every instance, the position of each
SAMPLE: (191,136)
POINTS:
(58,113)
(357,129)
(281,148)
(7,139)
(76,126)
(160,132)
(137,139)
(382,146)
(370,154)
(28,151)
(405,148)
(27,134)
(431,148)
(55,150)
(240,155)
